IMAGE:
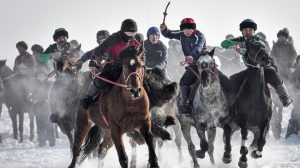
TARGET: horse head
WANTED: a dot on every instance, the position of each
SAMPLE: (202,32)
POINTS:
(207,68)
(132,69)
(160,89)
(258,55)
(66,63)
(2,64)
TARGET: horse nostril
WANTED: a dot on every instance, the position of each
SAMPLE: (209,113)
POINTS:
(139,89)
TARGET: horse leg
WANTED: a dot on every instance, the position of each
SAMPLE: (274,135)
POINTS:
(117,138)
(227,140)
(14,120)
(160,144)
(178,135)
(105,145)
(81,130)
(21,124)
(186,128)
(200,128)
(147,134)
(211,136)
(253,145)
(261,140)
(31,124)
(244,150)
(133,145)
(56,131)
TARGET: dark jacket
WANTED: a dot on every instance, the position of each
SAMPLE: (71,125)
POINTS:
(284,53)
(27,59)
(53,49)
(191,46)
(113,45)
(156,54)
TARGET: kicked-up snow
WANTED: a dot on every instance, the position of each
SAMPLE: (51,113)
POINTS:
(277,154)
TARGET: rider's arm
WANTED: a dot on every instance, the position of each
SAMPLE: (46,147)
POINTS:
(171,34)
(199,45)
(163,63)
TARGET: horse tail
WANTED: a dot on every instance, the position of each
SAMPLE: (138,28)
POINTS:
(92,140)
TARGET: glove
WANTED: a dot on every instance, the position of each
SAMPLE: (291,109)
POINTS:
(189,59)
(93,63)
(78,64)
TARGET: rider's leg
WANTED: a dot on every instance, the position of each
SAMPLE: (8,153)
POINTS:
(110,72)
(273,78)
(186,80)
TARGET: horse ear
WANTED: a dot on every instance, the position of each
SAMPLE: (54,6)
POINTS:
(78,48)
(212,52)
(141,50)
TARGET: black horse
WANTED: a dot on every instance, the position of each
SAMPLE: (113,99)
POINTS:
(17,96)
(252,105)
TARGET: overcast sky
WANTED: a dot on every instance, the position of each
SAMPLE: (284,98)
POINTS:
(34,21)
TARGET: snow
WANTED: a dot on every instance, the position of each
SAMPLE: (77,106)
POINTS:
(277,154)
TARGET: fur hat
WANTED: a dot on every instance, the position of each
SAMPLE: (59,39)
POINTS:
(22,44)
(187,23)
(60,32)
(248,23)
(103,33)
(37,48)
(129,25)
(283,32)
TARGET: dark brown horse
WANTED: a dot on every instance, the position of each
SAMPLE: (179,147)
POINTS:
(65,92)
(120,110)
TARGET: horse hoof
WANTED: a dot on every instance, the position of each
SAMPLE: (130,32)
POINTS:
(154,165)
(243,164)
(226,158)
(200,154)
(256,154)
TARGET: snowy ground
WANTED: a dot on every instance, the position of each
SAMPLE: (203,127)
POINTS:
(279,154)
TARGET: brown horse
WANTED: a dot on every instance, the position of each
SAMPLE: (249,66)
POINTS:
(122,109)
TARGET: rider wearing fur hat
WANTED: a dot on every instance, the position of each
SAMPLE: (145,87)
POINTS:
(242,44)
(284,53)
(112,46)
(193,45)
(101,36)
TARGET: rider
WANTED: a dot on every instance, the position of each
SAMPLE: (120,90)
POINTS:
(112,46)
(248,28)
(101,36)
(156,51)
(284,53)
(193,44)
(24,59)
(54,51)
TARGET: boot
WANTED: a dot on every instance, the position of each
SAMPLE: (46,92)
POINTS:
(90,95)
(283,95)
(185,106)
(54,117)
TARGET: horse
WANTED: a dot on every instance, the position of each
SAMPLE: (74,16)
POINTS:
(251,107)
(122,109)
(17,98)
(160,116)
(210,109)
(65,92)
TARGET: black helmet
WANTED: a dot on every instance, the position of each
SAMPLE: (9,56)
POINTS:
(103,33)
(129,25)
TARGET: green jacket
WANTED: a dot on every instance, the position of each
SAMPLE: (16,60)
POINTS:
(243,44)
